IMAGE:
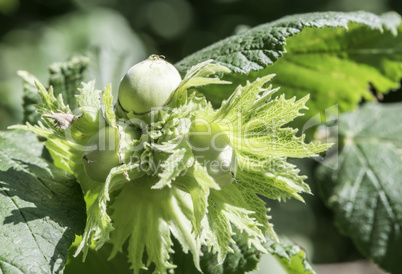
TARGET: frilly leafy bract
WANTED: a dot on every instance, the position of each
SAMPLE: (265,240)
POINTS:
(162,189)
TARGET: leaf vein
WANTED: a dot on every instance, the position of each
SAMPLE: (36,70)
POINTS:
(2,260)
(381,192)
(23,168)
(373,230)
(355,188)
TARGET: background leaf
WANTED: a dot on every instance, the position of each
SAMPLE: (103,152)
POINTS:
(42,208)
(332,55)
(365,190)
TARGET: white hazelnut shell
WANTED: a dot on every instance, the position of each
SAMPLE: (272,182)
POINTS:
(148,85)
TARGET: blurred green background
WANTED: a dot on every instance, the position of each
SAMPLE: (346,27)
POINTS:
(119,33)
(116,34)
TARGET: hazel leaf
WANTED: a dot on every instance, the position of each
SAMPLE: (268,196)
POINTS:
(42,207)
(362,185)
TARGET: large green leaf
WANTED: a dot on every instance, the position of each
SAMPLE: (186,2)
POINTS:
(332,55)
(365,190)
(41,208)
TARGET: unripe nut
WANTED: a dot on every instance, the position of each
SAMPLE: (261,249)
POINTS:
(102,154)
(147,85)
(212,148)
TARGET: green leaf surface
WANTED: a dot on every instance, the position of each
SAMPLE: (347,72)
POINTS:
(292,257)
(242,260)
(97,262)
(365,190)
(66,77)
(42,208)
(30,97)
(332,56)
